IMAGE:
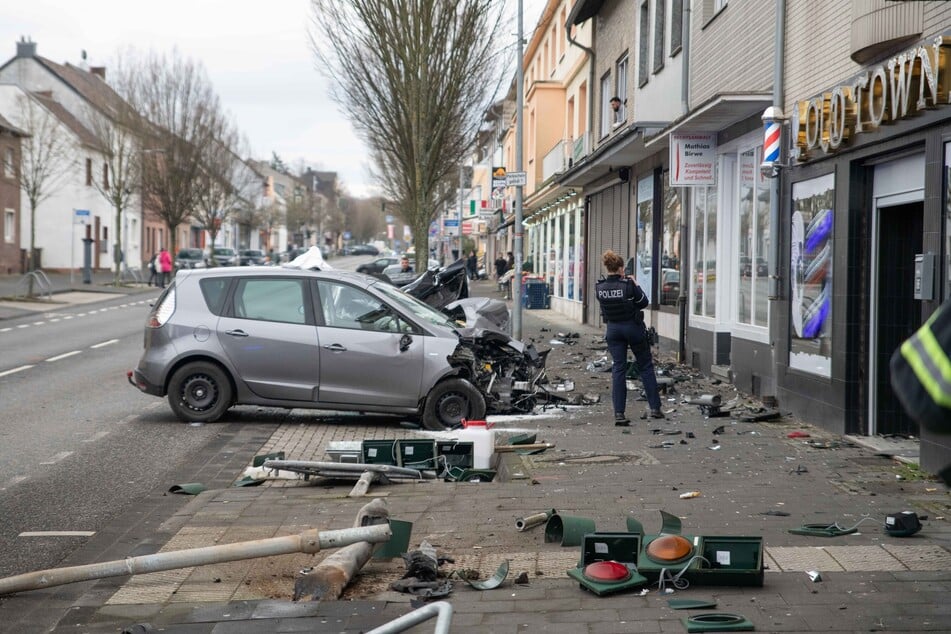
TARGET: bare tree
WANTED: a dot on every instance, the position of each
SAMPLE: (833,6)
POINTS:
(184,123)
(414,77)
(47,157)
(117,134)
(226,184)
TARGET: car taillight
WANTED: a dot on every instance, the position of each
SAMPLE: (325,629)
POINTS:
(163,311)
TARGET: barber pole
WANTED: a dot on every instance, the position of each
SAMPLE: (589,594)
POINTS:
(772,130)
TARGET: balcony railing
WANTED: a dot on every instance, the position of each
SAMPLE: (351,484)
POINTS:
(556,160)
(581,147)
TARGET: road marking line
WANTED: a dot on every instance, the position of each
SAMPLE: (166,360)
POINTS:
(13,481)
(23,326)
(60,456)
(53,321)
(81,314)
(97,436)
(68,317)
(5,329)
(57,534)
(63,356)
(38,323)
(14,370)
(104,343)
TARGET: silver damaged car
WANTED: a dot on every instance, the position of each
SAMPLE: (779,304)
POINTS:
(331,340)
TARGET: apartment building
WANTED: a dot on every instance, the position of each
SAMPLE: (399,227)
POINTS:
(11,257)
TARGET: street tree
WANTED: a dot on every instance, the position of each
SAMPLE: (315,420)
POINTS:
(47,158)
(182,123)
(227,184)
(116,133)
(414,78)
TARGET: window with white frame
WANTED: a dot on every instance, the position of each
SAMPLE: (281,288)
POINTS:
(9,226)
(704,285)
(752,242)
(607,116)
(676,27)
(660,30)
(9,163)
(620,82)
(643,47)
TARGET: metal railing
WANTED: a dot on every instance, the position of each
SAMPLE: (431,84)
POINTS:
(581,148)
(131,275)
(442,610)
(40,279)
(556,160)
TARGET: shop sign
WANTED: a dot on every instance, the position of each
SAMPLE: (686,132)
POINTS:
(693,158)
(894,90)
(498,183)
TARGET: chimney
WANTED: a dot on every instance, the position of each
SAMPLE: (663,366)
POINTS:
(99,71)
(26,48)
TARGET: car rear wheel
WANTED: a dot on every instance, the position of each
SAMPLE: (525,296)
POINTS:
(199,392)
(450,402)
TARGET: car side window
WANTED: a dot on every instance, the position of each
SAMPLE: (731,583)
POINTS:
(280,300)
(215,291)
(344,306)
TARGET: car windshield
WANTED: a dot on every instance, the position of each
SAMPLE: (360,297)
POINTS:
(414,307)
(252,252)
(187,254)
(224,251)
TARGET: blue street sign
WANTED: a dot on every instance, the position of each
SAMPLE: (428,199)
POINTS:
(81,216)
(451,222)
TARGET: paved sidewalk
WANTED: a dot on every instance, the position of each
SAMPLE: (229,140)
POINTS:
(58,290)
(746,474)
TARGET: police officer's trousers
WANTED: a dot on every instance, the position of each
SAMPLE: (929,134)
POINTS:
(620,337)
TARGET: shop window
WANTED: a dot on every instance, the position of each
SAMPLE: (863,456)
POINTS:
(670,244)
(810,277)
(704,284)
(752,242)
(644,249)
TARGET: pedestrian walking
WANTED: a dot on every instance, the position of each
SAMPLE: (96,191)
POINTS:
(153,270)
(165,263)
(622,302)
(472,264)
(500,265)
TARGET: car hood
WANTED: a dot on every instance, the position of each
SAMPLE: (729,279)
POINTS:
(480,312)
(311,259)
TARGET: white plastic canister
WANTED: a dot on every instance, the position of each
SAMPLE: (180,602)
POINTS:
(482,437)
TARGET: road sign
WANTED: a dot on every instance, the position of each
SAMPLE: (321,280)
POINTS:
(450,222)
(516,179)
(81,216)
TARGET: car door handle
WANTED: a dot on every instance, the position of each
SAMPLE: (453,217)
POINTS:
(335,347)
(236,333)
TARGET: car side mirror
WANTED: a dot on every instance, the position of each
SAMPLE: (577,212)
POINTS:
(405,341)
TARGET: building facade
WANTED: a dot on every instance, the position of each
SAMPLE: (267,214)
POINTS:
(11,257)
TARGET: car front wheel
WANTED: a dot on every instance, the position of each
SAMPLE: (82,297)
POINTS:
(199,392)
(450,402)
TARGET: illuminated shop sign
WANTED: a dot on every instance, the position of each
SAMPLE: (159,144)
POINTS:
(898,88)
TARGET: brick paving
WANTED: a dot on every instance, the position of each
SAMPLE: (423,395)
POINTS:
(869,581)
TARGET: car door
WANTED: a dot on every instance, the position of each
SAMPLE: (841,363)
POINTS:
(369,354)
(269,335)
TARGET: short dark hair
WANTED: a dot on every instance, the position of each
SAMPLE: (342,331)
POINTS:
(616,98)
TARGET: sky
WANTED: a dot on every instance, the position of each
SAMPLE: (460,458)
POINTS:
(256,54)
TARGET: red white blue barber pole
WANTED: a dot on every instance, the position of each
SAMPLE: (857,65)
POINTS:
(772,135)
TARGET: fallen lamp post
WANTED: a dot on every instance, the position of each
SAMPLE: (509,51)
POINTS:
(310,541)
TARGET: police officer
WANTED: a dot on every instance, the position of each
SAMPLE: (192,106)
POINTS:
(622,302)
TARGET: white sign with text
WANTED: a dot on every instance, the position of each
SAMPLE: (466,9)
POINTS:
(693,160)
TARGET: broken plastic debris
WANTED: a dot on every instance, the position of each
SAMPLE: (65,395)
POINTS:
(797,434)
(689,494)
(814,575)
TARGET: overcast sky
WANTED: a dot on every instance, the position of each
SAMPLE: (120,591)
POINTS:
(256,54)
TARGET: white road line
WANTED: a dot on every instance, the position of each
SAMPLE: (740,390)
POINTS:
(81,314)
(104,343)
(12,482)
(63,356)
(38,323)
(60,456)
(68,317)
(23,326)
(5,329)
(97,436)
(53,321)
(57,534)
(15,370)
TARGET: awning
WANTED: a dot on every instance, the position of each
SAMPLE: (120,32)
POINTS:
(718,114)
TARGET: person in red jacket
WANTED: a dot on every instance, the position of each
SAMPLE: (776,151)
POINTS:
(165,261)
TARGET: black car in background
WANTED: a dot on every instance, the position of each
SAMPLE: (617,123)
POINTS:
(190,259)
(364,249)
(252,257)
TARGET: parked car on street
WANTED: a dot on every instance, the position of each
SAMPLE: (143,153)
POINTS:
(377,265)
(252,257)
(190,259)
(364,249)
(297,338)
(221,256)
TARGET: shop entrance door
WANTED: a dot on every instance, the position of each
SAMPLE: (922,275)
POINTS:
(898,221)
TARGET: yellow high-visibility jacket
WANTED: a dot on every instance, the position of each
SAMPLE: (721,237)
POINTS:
(921,372)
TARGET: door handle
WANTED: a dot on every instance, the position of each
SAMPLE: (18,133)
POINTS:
(335,347)
(236,333)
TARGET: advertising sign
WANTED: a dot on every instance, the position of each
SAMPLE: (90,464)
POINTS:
(693,159)
(498,183)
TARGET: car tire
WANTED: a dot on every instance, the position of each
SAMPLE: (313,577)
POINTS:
(199,392)
(451,401)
